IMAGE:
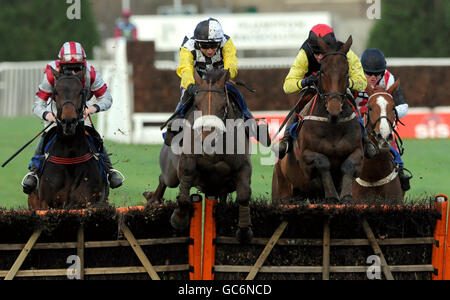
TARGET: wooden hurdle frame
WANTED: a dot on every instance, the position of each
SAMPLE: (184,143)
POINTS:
(202,243)
(440,266)
(81,245)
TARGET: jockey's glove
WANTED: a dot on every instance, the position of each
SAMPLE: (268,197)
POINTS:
(310,80)
(191,91)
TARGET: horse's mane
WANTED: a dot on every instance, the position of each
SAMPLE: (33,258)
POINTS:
(214,75)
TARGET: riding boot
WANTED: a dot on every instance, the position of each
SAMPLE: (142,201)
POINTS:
(31,179)
(369,149)
(114,176)
(404,178)
(172,132)
(285,144)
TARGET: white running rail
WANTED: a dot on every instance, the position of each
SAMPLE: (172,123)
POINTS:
(18,84)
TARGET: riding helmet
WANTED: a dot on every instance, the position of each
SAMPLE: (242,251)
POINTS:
(72,53)
(325,32)
(126,13)
(373,61)
(208,31)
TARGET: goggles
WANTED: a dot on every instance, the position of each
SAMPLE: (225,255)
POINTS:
(374,73)
(317,52)
(72,57)
(208,45)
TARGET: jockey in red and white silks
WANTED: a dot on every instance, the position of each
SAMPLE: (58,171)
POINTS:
(373,62)
(374,65)
(72,57)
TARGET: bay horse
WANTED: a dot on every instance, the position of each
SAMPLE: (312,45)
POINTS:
(379,179)
(215,173)
(71,176)
(327,153)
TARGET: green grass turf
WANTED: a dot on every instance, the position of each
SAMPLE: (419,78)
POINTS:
(429,161)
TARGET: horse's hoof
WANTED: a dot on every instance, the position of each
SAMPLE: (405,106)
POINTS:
(244,235)
(179,223)
(347,199)
(152,200)
(147,194)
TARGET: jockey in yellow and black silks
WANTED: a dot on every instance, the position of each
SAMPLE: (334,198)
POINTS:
(303,73)
(209,48)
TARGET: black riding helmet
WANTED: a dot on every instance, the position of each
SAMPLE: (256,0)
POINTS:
(208,32)
(325,32)
(373,61)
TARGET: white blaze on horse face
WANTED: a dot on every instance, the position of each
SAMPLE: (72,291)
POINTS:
(209,122)
(385,129)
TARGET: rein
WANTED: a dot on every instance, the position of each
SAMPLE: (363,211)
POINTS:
(79,110)
(71,160)
(339,95)
(223,93)
(371,127)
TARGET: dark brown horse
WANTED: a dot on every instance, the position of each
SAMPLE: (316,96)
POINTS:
(214,157)
(379,178)
(327,153)
(71,175)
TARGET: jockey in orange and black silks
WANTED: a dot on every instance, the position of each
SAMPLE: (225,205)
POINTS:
(209,48)
(71,59)
(303,73)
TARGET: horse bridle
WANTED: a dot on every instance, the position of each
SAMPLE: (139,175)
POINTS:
(371,126)
(79,110)
(319,89)
(223,93)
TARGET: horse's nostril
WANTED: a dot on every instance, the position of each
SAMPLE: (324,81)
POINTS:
(390,137)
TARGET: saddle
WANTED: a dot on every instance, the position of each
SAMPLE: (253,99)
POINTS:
(295,128)
(95,145)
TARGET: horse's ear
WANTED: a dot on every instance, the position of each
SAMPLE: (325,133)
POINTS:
(323,45)
(346,47)
(81,74)
(198,79)
(55,73)
(225,77)
(394,87)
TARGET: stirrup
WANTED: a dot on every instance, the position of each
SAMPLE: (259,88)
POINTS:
(30,174)
(408,176)
(276,149)
(117,172)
